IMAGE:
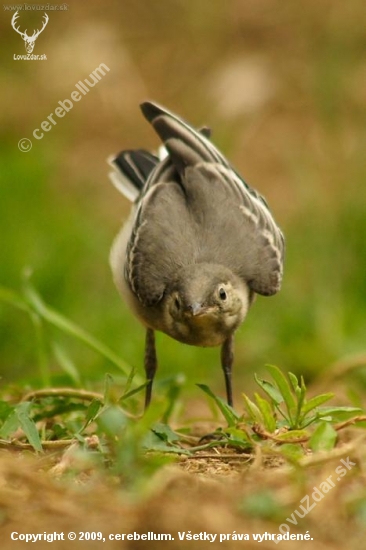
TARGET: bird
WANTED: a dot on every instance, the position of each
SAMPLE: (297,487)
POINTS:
(198,246)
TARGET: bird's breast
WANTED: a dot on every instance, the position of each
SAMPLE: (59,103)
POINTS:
(203,331)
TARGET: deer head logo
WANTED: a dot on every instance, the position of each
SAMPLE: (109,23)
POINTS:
(28,40)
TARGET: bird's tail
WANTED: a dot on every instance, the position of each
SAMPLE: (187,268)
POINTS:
(131,169)
(185,145)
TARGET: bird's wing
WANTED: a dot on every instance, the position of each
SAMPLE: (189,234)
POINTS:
(231,222)
(162,241)
(235,228)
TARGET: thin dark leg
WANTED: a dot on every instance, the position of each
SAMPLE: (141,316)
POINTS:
(227,358)
(151,364)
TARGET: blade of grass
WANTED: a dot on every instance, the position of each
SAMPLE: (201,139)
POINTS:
(69,327)
(228,412)
(108,382)
(132,392)
(172,396)
(28,426)
(43,362)
(91,413)
(129,381)
(66,363)
(14,299)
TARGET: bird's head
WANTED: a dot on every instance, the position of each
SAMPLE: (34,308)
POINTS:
(205,304)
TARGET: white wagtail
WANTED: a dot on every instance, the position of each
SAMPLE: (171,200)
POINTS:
(198,246)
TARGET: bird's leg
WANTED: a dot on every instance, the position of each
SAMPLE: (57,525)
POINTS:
(150,364)
(227,357)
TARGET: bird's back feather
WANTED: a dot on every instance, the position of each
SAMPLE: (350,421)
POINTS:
(194,208)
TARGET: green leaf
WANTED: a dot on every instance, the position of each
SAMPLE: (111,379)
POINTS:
(270,390)
(5,410)
(165,432)
(253,411)
(269,419)
(338,414)
(316,402)
(300,392)
(10,425)
(153,442)
(294,382)
(300,401)
(28,426)
(323,438)
(311,419)
(162,438)
(285,390)
(239,437)
(228,412)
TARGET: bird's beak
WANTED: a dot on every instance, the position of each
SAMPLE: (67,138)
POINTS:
(196,309)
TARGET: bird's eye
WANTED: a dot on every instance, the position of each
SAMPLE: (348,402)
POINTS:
(222,294)
(177,304)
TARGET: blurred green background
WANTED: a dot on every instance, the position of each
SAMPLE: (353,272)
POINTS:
(283,86)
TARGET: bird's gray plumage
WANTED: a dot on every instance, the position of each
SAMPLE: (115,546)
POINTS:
(205,212)
(195,220)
